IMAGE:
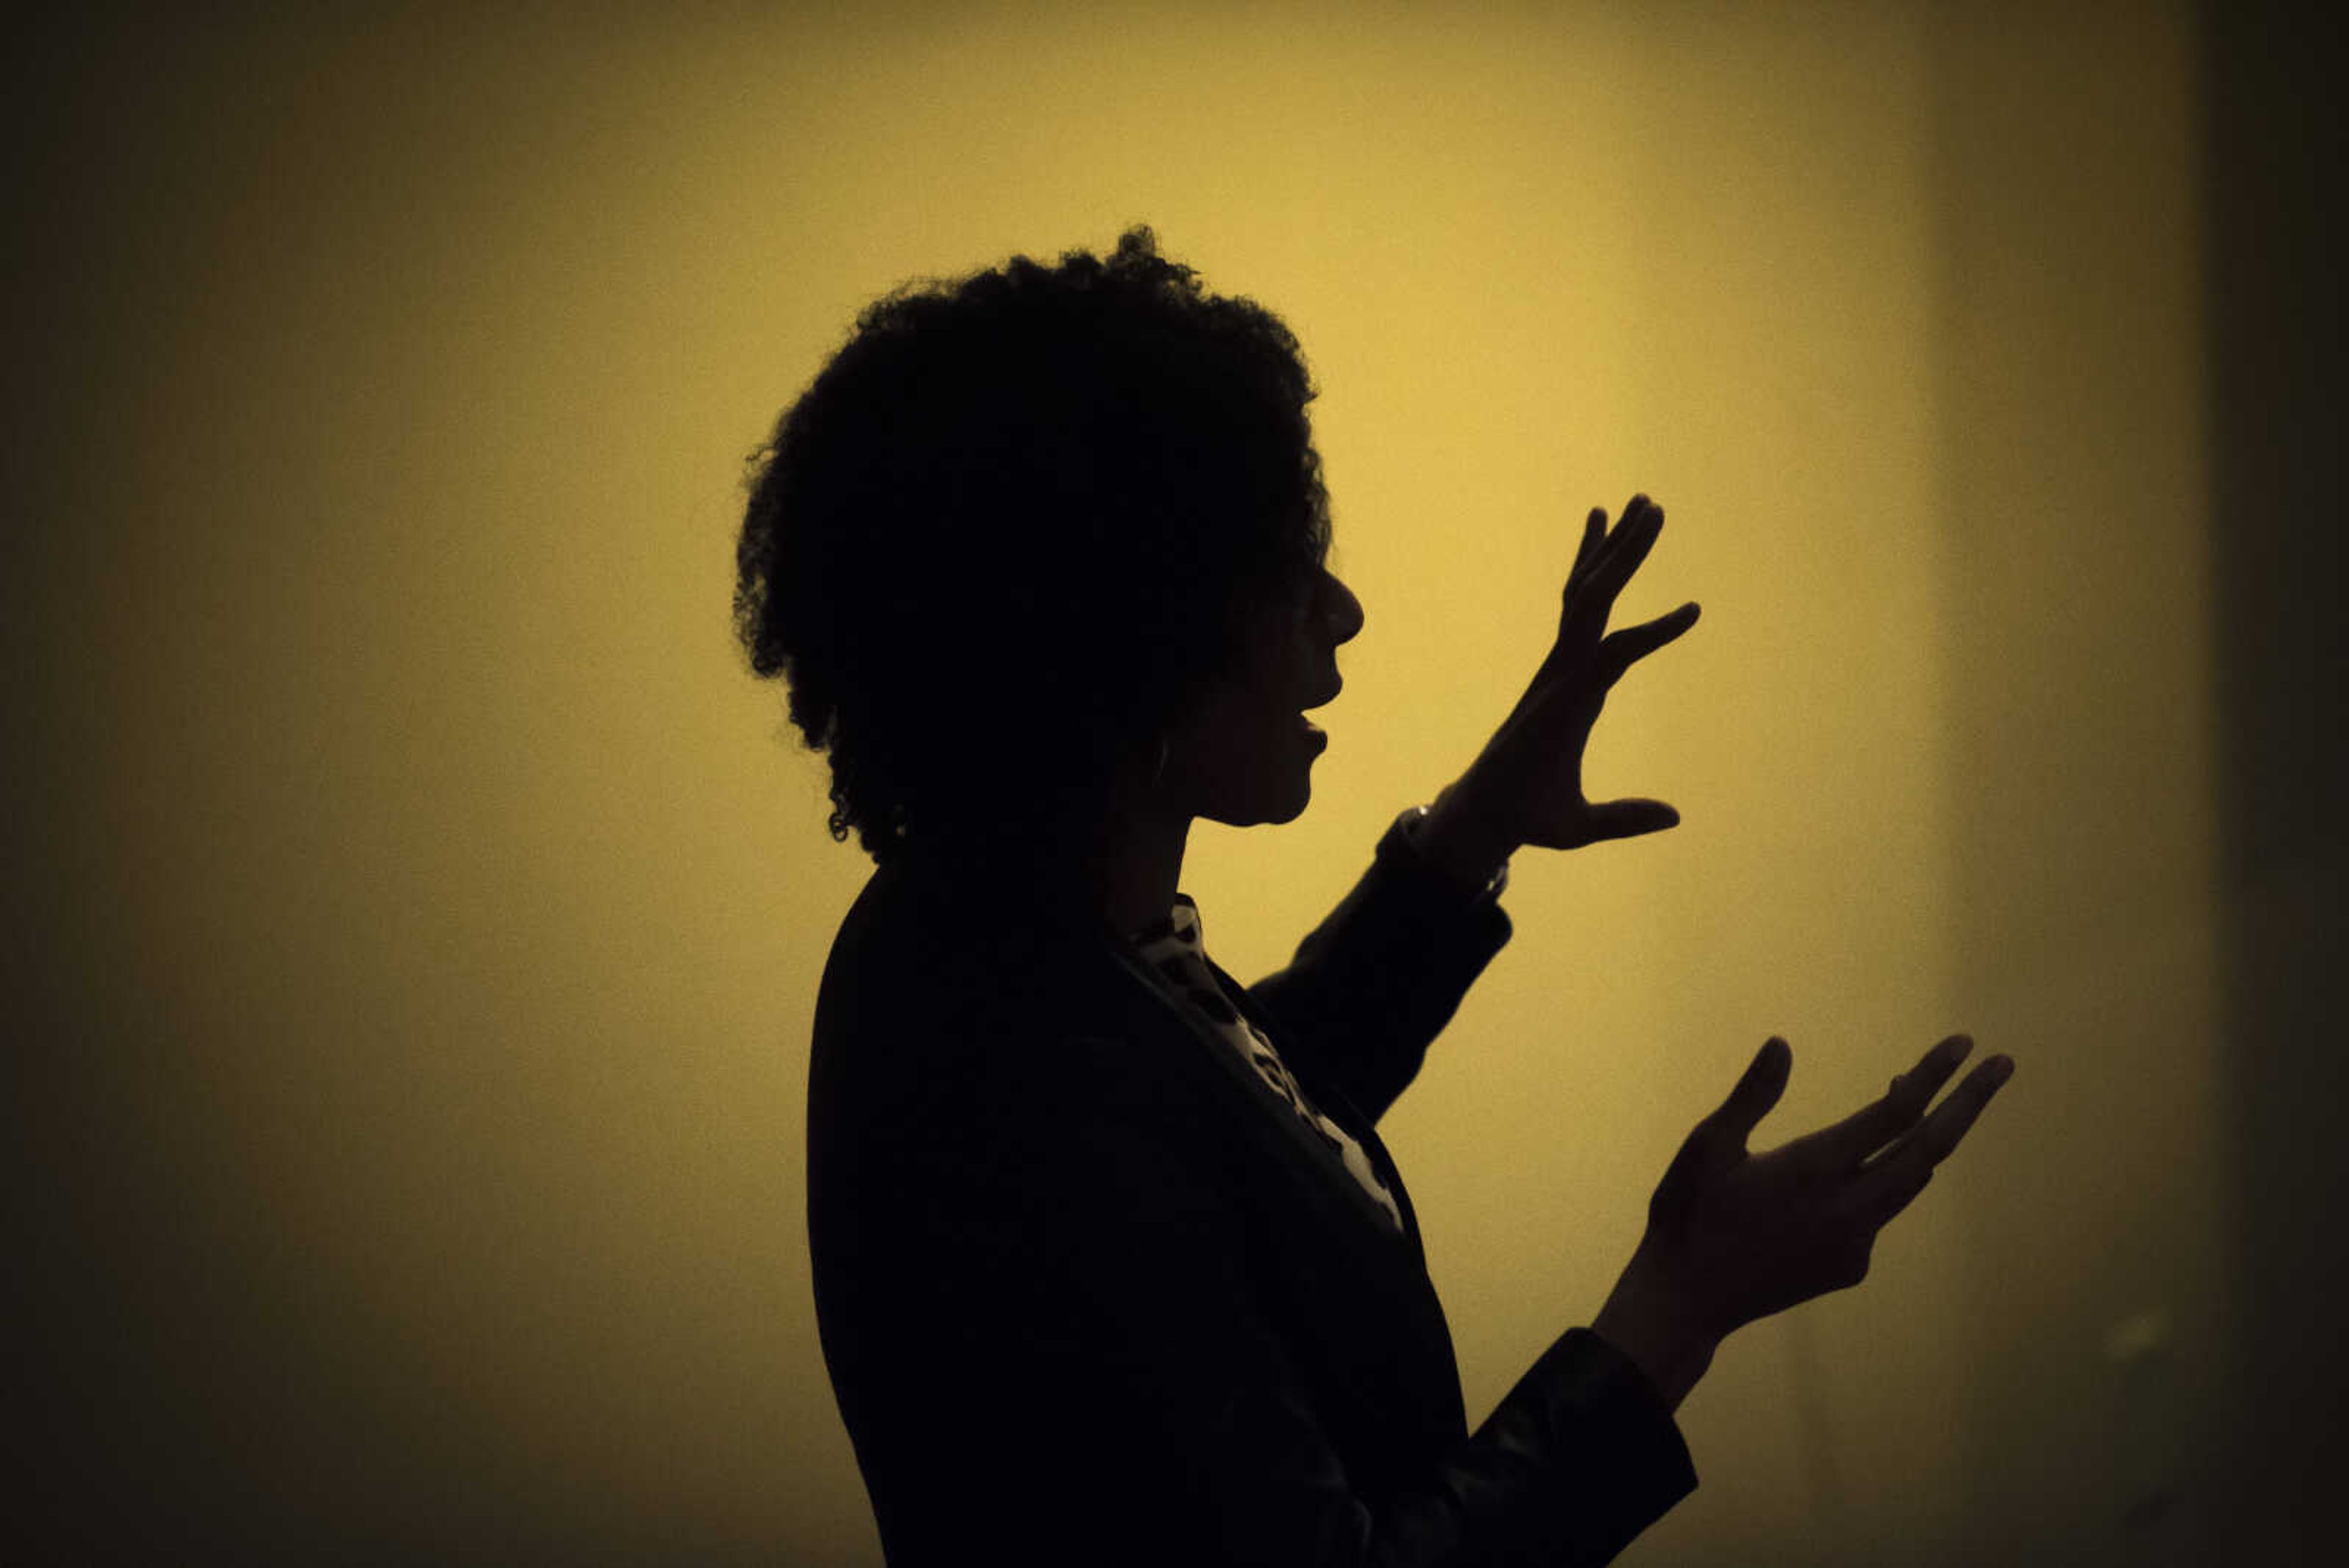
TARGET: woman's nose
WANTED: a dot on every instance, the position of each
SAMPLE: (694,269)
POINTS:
(1340,611)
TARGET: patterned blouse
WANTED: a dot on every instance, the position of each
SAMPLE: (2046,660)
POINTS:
(1173,948)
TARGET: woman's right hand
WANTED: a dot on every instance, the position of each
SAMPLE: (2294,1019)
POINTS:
(1733,1236)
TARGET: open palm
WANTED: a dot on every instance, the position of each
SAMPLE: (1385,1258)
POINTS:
(1527,781)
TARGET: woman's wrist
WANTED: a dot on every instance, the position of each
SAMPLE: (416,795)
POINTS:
(1459,840)
(1653,1332)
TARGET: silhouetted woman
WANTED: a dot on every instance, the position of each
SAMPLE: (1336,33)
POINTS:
(1110,1265)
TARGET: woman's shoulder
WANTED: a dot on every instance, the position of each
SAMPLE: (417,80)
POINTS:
(917,937)
(965,1066)
(939,984)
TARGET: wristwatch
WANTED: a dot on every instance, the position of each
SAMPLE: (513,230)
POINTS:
(1397,843)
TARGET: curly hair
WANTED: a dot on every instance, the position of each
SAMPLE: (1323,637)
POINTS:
(1013,525)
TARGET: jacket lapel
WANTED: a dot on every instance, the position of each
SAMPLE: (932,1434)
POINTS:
(1376,1321)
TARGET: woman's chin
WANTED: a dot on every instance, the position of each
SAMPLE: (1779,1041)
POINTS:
(1276,783)
(1272,807)
(1292,811)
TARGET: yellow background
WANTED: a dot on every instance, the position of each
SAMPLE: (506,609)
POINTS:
(423,908)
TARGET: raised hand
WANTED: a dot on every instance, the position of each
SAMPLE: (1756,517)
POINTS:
(1526,786)
(1733,1236)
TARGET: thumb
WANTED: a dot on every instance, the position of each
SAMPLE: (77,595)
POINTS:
(1757,1091)
(1719,1139)
(1630,818)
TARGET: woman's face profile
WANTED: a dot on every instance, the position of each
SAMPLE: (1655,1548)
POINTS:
(1246,753)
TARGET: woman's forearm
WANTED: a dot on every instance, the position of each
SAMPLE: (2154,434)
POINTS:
(1652,1331)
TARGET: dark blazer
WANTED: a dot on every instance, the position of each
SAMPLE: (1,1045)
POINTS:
(1088,1292)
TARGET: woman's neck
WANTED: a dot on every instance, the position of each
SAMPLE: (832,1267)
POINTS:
(1136,866)
(1123,868)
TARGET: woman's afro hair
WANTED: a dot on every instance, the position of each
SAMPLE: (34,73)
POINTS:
(1011,527)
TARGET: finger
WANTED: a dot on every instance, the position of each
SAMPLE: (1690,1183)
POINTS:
(1633,643)
(1889,1182)
(1635,530)
(1721,1137)
(1626,547)
(1866,1130)
(1594,533)
(1630,818)
(1587,557)
(1885,1201)
(1757,1091)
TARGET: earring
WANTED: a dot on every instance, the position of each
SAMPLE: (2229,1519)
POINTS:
(1159,772)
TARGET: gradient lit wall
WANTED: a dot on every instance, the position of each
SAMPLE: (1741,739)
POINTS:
(418,908)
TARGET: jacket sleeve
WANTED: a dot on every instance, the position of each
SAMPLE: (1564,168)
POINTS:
(1375,983)
(1074,1365)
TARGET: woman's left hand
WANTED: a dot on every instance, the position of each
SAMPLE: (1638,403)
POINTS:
(1526,786)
